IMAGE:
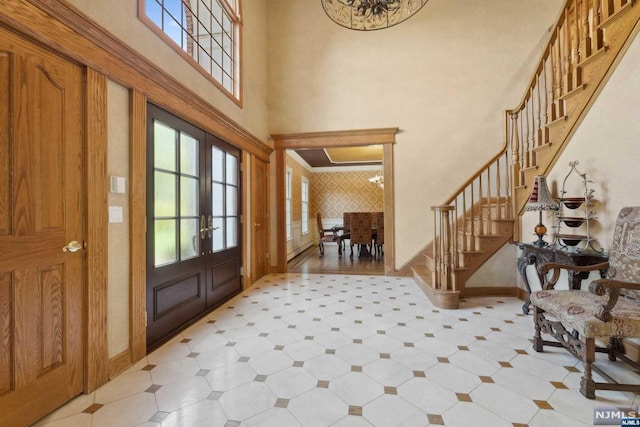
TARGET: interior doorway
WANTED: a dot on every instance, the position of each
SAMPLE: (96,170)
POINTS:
(366,137)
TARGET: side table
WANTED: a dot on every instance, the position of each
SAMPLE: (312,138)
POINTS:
(532,254)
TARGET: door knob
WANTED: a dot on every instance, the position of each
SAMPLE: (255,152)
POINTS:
(72,246)
(203,227)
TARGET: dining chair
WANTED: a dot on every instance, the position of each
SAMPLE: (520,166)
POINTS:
(346,228)
(325,235)
(360,230)
(378,235)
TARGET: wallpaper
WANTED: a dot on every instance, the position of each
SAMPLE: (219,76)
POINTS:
(333,193)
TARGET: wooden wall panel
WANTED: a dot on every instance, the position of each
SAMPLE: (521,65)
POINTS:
(97,366)
(49,174)
(52,317)
(6,334)
(5,145)
(137,212)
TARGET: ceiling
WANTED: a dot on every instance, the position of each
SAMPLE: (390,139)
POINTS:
(368,155)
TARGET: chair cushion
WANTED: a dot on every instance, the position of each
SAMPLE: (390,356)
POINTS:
(624,257)
(329,238)
(577,310)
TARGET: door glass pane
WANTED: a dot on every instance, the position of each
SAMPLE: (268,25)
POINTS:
(165,194)
(189,155)
(164,146)
(189,238)
(232,200)
(165,241)
(189,196)
(232,232)
(232,169)
(218,234)
(217,164)
(217,199)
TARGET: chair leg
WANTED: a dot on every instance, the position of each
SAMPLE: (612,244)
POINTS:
(321,247)
(615,346)
(537,338)
(587,385)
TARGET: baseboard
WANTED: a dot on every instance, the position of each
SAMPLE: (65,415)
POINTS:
(119,363)
(495,291)
(298,251)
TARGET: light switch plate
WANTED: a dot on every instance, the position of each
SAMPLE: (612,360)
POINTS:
(115,214)
(118,184)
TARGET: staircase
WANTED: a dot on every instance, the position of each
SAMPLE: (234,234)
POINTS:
(586,44)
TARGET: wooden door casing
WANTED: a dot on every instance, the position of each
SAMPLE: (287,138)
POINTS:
(41,211)
(260,212)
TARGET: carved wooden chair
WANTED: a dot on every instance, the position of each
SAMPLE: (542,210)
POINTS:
(360,230)
(609,310)
(325,235)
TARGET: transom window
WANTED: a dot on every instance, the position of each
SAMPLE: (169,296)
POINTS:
(207,32)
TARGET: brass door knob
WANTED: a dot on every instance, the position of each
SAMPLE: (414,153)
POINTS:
(72,246)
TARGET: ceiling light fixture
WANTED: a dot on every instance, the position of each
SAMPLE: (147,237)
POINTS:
(367,15)
(378,179)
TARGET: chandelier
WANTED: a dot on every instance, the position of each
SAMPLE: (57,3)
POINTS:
(367,15)
(378,179)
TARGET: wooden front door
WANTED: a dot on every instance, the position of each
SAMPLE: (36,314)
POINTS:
(260,211)
(41,212)
(193,223)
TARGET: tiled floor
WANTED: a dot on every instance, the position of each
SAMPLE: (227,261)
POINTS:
(331,350)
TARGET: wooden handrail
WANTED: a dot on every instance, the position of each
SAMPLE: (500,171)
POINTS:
(576,38)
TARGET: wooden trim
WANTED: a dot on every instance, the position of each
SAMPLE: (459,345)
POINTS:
(357,137)
(449,300)
(335,138)
(281,222)
(389,210)
(97,355)
(61,27)
(119,363)
(494,291)
(248,219)
(137,226)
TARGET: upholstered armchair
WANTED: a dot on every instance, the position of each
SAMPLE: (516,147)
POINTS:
(325,235)
(609,310)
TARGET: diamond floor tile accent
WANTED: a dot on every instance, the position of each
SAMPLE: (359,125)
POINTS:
(330,350)
(93,408)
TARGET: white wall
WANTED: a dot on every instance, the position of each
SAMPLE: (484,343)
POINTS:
(607,147)
(121,19)
(444,77)
(118,273)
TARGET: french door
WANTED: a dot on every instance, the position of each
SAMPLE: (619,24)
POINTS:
(193,223)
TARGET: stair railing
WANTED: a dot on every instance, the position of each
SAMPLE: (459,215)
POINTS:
(578,36)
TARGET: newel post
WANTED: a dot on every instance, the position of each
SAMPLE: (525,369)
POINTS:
(443,248)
